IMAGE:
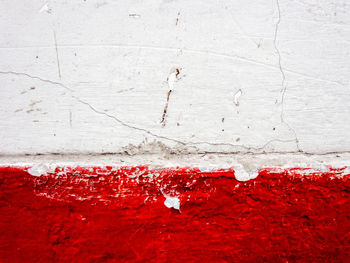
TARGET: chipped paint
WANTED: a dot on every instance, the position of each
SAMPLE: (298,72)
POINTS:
(172,202)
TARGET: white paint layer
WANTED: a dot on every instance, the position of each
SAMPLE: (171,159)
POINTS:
(172,202)
(242,175)
(39,169)
(208,162)
(79,77)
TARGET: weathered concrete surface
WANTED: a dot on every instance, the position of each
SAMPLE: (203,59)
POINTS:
(249,76)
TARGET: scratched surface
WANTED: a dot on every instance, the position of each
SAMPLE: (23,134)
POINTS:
(213,76)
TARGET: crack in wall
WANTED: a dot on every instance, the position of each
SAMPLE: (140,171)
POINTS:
(190,51)
(240,28)
(165,108)
(337,154)
(90,106)
(173,76)
(247,149)
(57,58)
(37,78)
(283,84)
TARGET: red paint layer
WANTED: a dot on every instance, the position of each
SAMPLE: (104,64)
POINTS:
(106,215)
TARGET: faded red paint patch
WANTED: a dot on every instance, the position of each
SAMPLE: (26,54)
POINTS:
(103,214)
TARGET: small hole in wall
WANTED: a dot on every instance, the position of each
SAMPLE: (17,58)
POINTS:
(177,72)
(236,97)
(274,128)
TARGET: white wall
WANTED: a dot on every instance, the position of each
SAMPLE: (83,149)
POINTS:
(93,76)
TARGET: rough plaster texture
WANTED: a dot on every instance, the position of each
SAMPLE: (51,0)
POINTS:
(190,76)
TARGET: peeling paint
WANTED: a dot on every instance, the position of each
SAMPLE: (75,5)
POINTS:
(172,202)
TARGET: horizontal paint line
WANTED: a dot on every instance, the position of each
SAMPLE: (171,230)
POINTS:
(250,162)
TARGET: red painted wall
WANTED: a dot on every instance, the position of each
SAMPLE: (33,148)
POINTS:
(107,215)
